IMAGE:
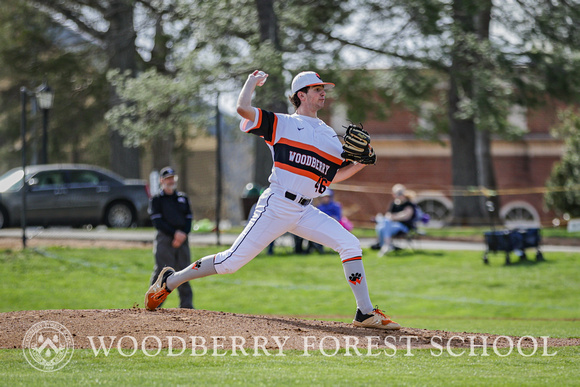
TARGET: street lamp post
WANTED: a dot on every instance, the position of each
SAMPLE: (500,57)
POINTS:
(45,99)
(23,99)
(218,124)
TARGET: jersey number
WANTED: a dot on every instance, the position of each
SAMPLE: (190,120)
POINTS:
(320,185)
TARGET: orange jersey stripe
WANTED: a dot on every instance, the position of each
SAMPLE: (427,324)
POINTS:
(259,119)
(247,122)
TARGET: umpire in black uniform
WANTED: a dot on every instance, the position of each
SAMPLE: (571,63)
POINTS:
(171,215)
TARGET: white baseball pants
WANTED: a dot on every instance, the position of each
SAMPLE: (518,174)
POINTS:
(275,215)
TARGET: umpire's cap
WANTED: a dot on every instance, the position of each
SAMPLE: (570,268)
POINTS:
(166,172)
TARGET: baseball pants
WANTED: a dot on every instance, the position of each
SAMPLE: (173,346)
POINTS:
(275,215)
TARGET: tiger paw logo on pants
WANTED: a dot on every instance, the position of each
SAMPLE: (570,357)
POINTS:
(48,346)
(355,278)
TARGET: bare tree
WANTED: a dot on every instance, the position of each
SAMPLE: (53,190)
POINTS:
(110,25)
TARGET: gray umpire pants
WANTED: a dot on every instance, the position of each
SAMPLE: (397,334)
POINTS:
(179,259)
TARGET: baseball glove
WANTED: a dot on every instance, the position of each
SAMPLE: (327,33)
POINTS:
(357,146)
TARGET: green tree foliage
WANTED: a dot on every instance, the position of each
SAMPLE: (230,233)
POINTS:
(463,65)
(111,25)
(563,195)
(33,49)
(157,106)
(221,43)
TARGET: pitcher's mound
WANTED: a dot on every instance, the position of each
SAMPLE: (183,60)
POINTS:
(179,328)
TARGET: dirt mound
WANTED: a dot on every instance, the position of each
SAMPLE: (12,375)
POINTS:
(199,329)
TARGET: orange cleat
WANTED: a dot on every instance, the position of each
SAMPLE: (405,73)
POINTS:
(158,292)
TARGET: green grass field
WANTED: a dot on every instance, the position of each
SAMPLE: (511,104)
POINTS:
(421,369)
(444,290)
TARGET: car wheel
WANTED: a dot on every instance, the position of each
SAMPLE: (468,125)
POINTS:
(119,215)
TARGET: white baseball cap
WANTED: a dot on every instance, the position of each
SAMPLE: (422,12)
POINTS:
(308,78)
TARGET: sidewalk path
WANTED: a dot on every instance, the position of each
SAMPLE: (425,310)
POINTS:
(226,239)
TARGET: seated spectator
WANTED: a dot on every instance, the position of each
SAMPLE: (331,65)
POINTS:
(399,219)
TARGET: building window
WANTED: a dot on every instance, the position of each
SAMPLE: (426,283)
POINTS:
(439,210)
(519,214)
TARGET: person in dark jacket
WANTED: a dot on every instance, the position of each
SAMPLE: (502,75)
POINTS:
(171,215)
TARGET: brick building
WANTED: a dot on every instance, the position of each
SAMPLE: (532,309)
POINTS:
(521,167)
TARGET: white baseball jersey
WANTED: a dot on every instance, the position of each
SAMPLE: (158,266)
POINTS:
(306,151)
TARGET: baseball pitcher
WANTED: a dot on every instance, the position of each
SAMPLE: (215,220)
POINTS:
(308,156)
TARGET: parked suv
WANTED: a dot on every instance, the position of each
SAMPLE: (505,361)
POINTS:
(73,195)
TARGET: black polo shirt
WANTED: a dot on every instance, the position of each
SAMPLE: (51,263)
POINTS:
(170,213)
